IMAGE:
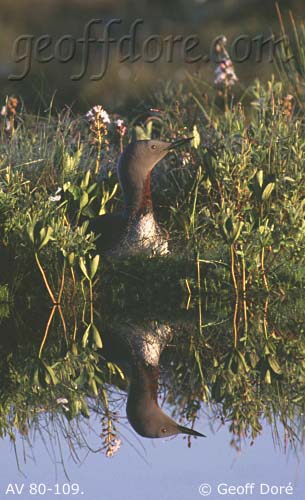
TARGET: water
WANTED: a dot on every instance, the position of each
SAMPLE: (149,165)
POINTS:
(164,469)
(242,385)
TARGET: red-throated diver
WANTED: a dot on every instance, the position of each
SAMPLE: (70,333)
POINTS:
(135,230)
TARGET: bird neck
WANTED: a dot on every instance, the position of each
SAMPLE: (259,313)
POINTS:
(143,385)
(137,197)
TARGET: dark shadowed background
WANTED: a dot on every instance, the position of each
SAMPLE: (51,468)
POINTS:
(124,84)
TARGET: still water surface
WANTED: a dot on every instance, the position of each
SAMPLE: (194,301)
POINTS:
(166,469)
(244,389)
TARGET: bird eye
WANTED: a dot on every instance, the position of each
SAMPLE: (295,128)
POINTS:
(164,430)
(153,146)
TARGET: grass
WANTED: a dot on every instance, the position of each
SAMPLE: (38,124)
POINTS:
(235,197)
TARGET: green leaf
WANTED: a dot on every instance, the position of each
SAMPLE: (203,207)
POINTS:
(143,133)
(268,377)
(117,369)
(75,191)
(45,236)
(75,406)
(243,361)
(237,230)
(84,183)
(30,230)
(274,364)
(83,200)
(84,409)
(254,359)
(266,350)
(36,378)
(260,178)
(82,265)
(70,162)
(82,378)
(267,191)
(93,386)
(149,129)
(91,188)
(71,259)
(74,349)
(86,335)
(96,337)
(94,266)
(51,373)
(196,140)
(140,133)
(84,227)
(228,227)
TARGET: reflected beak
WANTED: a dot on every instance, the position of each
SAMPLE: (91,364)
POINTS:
(178,143)
(191,432)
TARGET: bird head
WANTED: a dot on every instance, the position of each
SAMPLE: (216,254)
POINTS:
(136,163)
(144,155)
(168,427)
(151,422)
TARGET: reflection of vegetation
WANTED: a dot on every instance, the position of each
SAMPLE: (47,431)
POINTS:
(259,380)
(234,207)
(4,301)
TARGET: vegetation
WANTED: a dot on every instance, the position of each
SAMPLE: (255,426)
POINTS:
(233,204)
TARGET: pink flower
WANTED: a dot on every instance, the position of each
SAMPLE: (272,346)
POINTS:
(224,74)
(121,128)
(113,447)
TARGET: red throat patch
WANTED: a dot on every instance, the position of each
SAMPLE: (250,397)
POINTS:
(146,201)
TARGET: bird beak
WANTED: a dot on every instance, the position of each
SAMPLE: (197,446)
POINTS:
(191,432)
(178,143)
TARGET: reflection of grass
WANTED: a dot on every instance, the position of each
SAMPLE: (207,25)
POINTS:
(259,382)
(4,302)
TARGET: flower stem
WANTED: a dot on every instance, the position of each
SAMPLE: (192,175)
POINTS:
(44,277)
(46,331)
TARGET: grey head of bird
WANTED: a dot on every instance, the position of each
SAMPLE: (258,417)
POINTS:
(151,422)
(143,411)
(135,165)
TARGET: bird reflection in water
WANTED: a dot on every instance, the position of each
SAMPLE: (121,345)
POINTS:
(137,349)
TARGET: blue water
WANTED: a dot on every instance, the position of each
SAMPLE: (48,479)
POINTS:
(160,469)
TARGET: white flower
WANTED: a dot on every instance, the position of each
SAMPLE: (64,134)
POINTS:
(57,196)
(119,123)
(63,402)
(98,113)
(113,447)
(186,159)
